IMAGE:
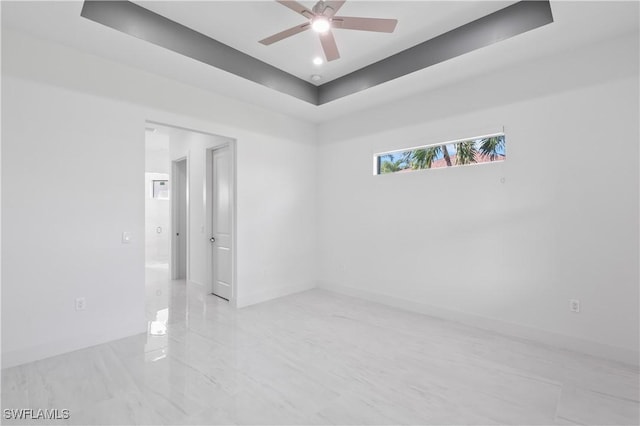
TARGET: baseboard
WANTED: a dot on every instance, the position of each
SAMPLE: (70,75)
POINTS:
(50,349)
(196,283)
(556,340)
(263,296)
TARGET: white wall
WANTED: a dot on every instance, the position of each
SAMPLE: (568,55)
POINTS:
(156,223)
(277,243)
(69,191)
(73,165)
(459,243)
(156,158)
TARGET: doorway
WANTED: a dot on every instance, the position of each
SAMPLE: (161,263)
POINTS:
(157,205)
(180,218)
(221,219)
(202,200)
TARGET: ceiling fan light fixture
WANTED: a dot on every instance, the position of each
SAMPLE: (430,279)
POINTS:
(320,24)
(321,19)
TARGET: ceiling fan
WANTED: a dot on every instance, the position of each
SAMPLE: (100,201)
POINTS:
(322,18)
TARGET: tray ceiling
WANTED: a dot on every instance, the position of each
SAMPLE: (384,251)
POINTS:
(241,24)
(577,25)
(144,24)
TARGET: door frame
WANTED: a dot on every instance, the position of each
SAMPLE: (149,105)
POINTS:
(173,270)
(208,185)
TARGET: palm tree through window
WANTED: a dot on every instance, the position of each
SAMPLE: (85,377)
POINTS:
(483,149)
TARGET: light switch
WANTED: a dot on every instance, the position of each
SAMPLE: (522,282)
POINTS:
(127,237)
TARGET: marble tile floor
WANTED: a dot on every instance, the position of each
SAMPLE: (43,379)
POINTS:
(318,358)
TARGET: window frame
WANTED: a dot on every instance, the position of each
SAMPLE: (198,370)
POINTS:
(377,162)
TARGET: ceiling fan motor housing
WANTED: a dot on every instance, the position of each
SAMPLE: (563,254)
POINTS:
(320,8)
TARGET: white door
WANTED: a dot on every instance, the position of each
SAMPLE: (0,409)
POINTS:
(221,222)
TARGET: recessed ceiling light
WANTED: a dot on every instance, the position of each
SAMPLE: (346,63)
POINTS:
(318,60)
(316,77)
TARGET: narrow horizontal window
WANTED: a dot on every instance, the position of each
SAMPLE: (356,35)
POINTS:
(477,150)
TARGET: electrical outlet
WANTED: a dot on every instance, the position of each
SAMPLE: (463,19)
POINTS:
(574,305)
(81,304)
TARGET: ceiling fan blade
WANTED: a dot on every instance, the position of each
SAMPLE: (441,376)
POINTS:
(286,33)
(329,46)
(364,24)
(296,7)
(334,7)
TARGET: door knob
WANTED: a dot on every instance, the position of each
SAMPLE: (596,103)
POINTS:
(212,239)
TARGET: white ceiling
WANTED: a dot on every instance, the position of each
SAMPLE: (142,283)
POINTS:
(240,24)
